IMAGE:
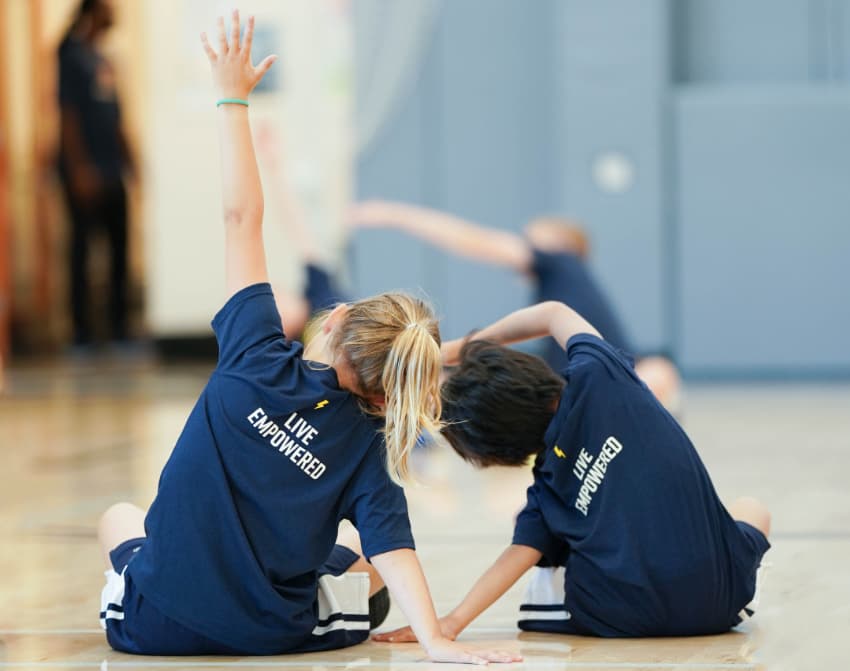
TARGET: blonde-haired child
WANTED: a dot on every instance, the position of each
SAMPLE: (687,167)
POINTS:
(237,554)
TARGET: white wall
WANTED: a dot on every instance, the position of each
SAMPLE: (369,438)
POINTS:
(185,241)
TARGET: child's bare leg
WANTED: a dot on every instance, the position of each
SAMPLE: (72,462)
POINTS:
(752,511)
(349,537)
(121,522)
(662,378)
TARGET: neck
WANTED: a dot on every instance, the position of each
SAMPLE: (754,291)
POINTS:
(317,351)
(320,351)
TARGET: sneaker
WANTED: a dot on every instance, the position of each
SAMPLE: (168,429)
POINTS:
(750,609)
(379,607)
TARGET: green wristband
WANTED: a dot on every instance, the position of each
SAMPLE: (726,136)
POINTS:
(232,101)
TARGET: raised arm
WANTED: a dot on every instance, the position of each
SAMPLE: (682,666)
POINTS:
(544,319)
(293,221)
(498,579)
(402,573)
(453,234)
(234,77)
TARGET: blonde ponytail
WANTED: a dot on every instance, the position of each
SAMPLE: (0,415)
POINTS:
(392,343)
(411,383)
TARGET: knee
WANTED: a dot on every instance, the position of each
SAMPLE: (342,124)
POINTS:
(752,511)
(350,538)
(116,516)
(662,378)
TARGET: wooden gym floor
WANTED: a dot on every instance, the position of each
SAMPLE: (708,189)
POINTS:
(74,439)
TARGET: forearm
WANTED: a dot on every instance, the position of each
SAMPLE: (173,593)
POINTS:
(242,196)
(455,234)
(498,579)
(402,573)
(242,193)
(452,233)
(544,319)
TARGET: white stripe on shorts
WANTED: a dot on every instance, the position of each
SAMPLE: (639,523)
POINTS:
(356,625)
(531,614)
(112,597)
(545,590)
(340,598)
(546,587)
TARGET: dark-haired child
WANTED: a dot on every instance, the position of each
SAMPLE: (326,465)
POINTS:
(622,519)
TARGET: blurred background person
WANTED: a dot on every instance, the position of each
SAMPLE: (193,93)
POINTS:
(552,252)
(320,289)
(93,157)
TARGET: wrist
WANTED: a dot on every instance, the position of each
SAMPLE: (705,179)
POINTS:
(433,644)
(235,111)
(235,100)
(432,637)
(453,624)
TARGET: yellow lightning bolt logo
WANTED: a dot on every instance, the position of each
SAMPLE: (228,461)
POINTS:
(559,452)
(321,404)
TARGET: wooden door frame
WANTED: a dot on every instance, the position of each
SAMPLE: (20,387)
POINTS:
(42,105)
(5,225)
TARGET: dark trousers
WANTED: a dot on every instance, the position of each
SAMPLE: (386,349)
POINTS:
(106,213)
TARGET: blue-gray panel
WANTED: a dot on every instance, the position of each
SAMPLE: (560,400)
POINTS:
(495,120)
(763,209)
(392,167)
(612,42)
(474,139)
(750,40)
(613,65)
(626,228)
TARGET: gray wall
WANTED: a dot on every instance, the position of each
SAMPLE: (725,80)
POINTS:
(730,247)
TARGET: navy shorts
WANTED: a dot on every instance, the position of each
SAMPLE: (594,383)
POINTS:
(135,626)
(543,608)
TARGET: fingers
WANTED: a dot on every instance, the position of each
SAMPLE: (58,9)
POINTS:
(263,67)
(248,42)
(222,37)
(500,656)
(471,658)
(210,52)
(234,30)
(403,635)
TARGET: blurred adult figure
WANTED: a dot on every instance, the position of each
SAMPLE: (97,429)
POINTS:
(93,157)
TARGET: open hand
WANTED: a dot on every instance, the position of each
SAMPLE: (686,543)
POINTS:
(444,650)
(234,76)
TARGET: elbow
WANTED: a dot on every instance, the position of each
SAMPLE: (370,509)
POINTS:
(243,217)
(554,309)
(555,315)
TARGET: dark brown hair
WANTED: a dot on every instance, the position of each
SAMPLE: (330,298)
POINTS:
(497,404)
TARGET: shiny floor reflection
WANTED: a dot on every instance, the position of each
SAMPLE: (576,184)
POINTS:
(75,440)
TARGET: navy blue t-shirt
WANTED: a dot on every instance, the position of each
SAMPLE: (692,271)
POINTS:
(87,85)
(566,278)
(272,457)
(621,498)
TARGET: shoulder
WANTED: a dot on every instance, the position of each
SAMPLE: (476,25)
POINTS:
(256,294)
(589,356)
